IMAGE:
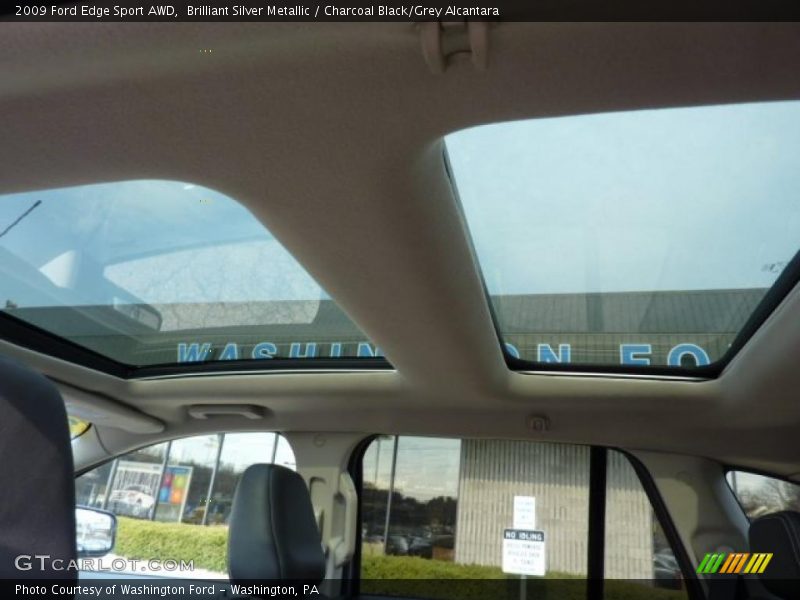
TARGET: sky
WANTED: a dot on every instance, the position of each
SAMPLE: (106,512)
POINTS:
(426,467)
(670,199)
(160,241)
(239,451)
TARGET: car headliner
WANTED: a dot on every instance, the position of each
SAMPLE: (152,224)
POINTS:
(332,135)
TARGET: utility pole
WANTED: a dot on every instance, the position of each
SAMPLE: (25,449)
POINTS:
(220,440)
(389,499)
(164,463)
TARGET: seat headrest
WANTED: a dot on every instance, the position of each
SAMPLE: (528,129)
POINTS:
(37,511)
(779,534)
(273,533)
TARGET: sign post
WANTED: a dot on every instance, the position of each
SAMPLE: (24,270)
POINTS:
(523,545)
(524,552)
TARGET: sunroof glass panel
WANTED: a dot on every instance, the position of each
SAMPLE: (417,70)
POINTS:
(642,238)
(160,272)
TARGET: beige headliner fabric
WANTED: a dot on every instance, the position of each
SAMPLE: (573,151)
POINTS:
(330,133)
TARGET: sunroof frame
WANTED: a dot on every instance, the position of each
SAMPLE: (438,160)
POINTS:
(780,289)
(33,336)
(26,335)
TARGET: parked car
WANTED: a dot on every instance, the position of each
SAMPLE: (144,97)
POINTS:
(397,545)
(666,571)
(420,546)
(132,500)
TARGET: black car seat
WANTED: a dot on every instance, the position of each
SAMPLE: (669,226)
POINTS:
(37,510)
(273,534)
(779,534)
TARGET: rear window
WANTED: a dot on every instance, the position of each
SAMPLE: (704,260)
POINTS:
(509,519)
(761,495)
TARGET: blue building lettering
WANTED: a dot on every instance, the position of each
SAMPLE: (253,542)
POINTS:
(545,353)
(193,352)
(310,352)
(678,352)
(635,354)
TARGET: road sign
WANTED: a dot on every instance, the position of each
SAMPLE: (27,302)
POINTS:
(523,552)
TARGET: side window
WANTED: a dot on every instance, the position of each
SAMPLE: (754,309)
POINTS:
(636,548)
(760,495)
(514,511)
(410,499)
(440,509)
(173,499)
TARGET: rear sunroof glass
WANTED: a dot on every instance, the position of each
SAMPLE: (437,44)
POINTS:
(636,238)
(162,272)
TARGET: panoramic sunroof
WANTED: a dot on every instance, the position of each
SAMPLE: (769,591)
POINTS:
(633,240)
(158,273)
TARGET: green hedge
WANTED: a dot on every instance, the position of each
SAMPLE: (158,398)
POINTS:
(390,575)
(207,546)
(376,571)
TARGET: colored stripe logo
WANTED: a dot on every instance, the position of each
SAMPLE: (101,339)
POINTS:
(734,562)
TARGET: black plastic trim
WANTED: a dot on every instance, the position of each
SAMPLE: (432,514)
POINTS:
(596,542)
(272,364)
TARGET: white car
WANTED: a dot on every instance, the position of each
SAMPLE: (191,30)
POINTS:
(133,500)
